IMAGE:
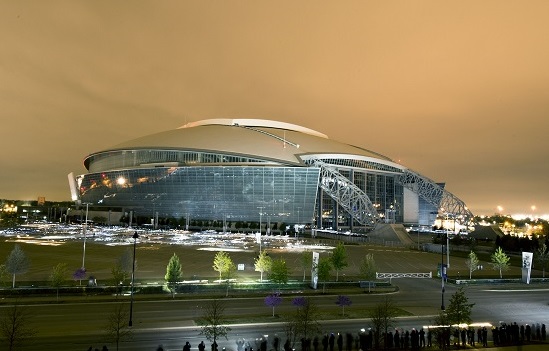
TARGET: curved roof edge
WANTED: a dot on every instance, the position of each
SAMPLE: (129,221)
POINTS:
(254,123)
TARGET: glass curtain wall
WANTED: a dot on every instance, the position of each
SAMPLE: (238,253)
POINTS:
(283,194)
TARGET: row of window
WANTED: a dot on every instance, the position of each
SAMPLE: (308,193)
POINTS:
(111,160)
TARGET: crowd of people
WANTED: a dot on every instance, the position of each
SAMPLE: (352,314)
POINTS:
(395,339)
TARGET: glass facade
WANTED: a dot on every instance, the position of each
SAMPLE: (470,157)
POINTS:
(384,192)
(236,193)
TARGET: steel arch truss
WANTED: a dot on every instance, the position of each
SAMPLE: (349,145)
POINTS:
(350,197)
(446,203)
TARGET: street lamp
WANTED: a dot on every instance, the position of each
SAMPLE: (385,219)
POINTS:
(85,229)
(445,226)
(442,271)
(260,218)
(135,236)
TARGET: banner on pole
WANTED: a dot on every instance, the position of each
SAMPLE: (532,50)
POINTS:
(314,270)
(526,266)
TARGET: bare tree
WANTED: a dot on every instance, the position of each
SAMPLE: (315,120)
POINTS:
(542,257)
(17,262)
(305,319)
(117,328)
(213,322)
(15,327)
(383,318)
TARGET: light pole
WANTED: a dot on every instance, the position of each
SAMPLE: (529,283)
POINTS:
(298,220)
(135,236)
(85,229)
(260,218)
(442,271)
(447,242)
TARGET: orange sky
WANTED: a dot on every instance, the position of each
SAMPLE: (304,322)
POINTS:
(455,90)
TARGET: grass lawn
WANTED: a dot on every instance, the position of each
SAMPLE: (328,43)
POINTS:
(197,262)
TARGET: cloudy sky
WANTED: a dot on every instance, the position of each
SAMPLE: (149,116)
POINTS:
(455,90)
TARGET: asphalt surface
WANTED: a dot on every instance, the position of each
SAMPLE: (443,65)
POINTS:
(77,326)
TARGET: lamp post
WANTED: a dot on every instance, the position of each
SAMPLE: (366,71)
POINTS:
(442,270)
(85,229)
(135,236)
(447,242)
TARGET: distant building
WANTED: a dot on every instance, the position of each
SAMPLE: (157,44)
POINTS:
(258,170)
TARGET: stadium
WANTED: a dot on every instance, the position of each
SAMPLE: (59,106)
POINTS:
(253,170)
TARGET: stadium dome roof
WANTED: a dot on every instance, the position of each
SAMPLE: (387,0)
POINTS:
(264,139)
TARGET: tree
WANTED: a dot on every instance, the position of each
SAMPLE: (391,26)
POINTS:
(472,263)
(17,262)
(442,334)
(225,266)
(273,300)
(459,309)
(58,276)
(305,320)
(368,269)
(213,321)
(3,274)
(117,328)
(338,258)
(263,263)
(542,257)
(15,327)
(306,262)
(324,269)
(383,318)
(342,301)
(122,268)
(500,261)
(173,273)
(79,274)
(279,272)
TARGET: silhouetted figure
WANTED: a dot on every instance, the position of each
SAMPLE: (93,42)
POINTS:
(187,346)
(349,342)
(325,342)
(287,346)
(421,338)
(396,338)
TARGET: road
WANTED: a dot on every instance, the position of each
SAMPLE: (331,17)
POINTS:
(171,322)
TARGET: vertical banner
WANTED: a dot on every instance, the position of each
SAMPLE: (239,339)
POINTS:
(314,270)
(526,266)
